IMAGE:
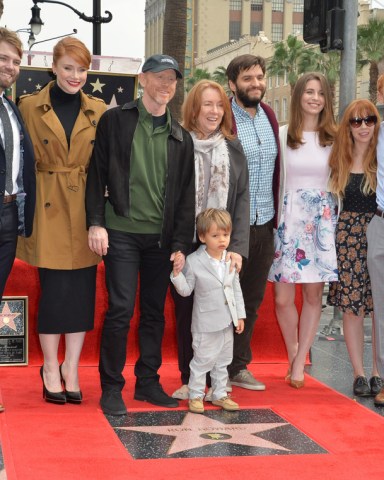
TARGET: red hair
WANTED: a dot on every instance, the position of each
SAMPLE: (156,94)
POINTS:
(192,106)
(341,158)
(73,47)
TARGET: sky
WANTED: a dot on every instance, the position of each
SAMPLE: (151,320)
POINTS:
(124,36)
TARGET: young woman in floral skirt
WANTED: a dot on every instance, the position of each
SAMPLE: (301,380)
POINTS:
(304,240)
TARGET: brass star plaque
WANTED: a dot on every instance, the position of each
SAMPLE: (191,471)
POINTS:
(14,331)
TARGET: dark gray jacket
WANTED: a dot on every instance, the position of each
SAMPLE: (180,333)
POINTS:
(110,168)
(238,198)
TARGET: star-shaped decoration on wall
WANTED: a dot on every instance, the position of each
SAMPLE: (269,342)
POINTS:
(112,104)
(120,90)
(199,431)
(7,318)
(38,86)
(97,86)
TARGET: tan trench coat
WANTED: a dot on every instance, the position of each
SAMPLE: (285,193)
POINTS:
(60,238)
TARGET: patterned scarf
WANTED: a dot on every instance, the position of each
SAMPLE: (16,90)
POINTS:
(214,152)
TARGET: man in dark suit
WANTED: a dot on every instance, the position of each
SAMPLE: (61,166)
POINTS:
(17,166)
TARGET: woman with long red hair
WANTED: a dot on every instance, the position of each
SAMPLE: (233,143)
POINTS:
(353,179)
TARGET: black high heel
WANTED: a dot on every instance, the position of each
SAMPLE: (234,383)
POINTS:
(52,397)
(72,397)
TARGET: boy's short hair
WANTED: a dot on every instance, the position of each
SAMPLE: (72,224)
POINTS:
(207,217)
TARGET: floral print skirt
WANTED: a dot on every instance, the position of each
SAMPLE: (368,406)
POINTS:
(352,293)
(305,239)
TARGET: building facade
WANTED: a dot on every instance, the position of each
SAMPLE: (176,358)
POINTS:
(219,30)
(219,22)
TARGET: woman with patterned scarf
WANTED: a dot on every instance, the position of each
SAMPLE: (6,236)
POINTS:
(221,182)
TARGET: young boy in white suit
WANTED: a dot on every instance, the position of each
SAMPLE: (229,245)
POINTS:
(218,307)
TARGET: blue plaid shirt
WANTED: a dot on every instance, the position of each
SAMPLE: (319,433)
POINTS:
(259,144)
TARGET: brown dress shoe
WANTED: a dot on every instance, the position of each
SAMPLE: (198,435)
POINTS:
(379,399)
(1,408)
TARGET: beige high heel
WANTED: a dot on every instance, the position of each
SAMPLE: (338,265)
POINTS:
(296,383)
(287,377)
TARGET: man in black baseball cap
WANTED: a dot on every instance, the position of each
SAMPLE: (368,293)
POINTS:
(146,160)
(158,63)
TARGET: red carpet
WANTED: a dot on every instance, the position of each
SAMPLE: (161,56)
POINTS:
(77,443)
(268,345)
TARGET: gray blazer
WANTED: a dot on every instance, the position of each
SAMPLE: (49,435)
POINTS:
(216,303)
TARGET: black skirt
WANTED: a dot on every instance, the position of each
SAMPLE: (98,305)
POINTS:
(67,301)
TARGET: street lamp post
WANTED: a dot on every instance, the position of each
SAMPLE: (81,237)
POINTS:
(31,38)
(96,20)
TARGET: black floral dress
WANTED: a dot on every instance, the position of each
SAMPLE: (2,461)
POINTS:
(352,293)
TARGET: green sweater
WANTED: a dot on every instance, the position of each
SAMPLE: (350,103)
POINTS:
(147,178)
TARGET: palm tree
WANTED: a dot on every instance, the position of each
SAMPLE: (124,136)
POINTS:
(370,41)
(198,74)
(286,59)
(220,76)
(174,43)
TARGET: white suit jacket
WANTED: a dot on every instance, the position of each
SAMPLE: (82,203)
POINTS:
(216,303)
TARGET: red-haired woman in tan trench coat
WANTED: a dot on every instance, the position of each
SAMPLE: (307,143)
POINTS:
(62,121)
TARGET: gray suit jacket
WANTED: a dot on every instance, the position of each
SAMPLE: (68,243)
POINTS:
(216,303)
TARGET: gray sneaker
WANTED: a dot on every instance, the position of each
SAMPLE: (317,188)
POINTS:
(245,379)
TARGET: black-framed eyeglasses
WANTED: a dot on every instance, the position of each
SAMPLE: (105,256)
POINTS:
(369,121)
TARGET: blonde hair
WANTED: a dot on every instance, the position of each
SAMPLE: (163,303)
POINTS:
(11,37)
(192,106)
(326,127)
(210,216)
(341,158)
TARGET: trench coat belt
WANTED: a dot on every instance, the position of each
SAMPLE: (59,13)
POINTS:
(73,177)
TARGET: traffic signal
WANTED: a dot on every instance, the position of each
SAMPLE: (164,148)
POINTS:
(324,23)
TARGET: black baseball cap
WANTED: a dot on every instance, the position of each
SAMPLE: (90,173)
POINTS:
(158,63)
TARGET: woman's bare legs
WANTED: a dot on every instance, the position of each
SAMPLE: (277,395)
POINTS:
(287,316)
(49,345)
(298,341)
(309,322)
(70,368)
(353,327)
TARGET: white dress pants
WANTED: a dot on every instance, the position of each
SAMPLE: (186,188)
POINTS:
(212,352)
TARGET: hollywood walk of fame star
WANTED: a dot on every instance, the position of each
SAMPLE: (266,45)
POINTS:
(199,431)
(97,86)
(7,318)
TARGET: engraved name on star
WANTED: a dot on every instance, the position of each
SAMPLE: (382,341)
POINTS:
(97,86)
(198,431)
(7,318)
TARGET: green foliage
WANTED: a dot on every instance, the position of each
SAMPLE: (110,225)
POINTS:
(286,59)
(313,60)
(370,50)
(198,74)
(220,76)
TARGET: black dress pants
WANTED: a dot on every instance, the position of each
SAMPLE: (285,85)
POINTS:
(253,281)
(130,256)
(8,241)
